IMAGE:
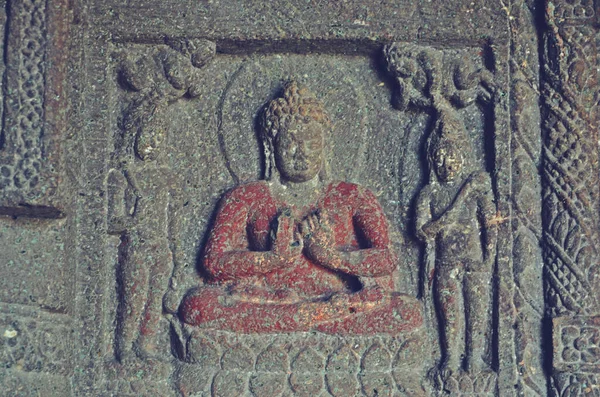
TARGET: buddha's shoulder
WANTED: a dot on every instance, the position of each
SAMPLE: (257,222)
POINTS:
(347,189)
(249,192)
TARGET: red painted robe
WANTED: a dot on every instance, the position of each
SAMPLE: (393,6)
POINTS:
(241,236)
(247,293)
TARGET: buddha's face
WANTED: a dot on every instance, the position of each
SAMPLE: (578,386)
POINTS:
(447,162)
(299,151)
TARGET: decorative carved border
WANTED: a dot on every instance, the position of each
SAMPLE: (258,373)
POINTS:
(570,191)
(524,295)
(35,341)
(33,107)
(25,81)
(576,356)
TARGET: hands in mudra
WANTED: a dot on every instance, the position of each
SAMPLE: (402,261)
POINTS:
(316,232)
(292,237)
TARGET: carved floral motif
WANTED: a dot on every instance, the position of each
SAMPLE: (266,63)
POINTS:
(296,365)
(580,345)
(570,194)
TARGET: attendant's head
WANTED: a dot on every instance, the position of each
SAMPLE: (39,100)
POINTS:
(293,132)
(447,160)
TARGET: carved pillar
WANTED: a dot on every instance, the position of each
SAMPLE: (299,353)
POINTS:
(524,295)
(570,194)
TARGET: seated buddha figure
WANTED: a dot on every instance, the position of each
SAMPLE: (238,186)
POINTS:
(294,252)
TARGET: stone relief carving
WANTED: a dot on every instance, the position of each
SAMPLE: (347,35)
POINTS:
(142,189)
(159,81)
(455,212)
(24,109)
(287,277)
(355,345)
(362,365)
(456,220)
(570,194)
(291,220)
(298,252)
(571,257)
(524,297)
(576,343)
(430,79)
(32,94)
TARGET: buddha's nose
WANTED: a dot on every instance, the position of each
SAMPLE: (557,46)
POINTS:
(301,160)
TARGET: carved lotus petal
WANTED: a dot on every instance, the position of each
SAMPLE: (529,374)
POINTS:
(588,334)
(202,351)
(376,359)
(229,383)
(580,343)
(307,373)
(306,384)
(411,354)
(410,383)
(341,372)
(267,384)
(238,358)
(465,384)
(569,334)
(343,359)
(190,380)
(570,355)
(591,355)
(272,359)
(377,384)
(341,384)
(308,360)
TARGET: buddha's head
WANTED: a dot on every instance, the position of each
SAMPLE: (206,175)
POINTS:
(293,129)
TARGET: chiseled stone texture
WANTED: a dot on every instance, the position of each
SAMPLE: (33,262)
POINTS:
(134,132)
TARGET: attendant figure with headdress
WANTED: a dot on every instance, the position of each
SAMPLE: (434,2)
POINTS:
(456,220)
